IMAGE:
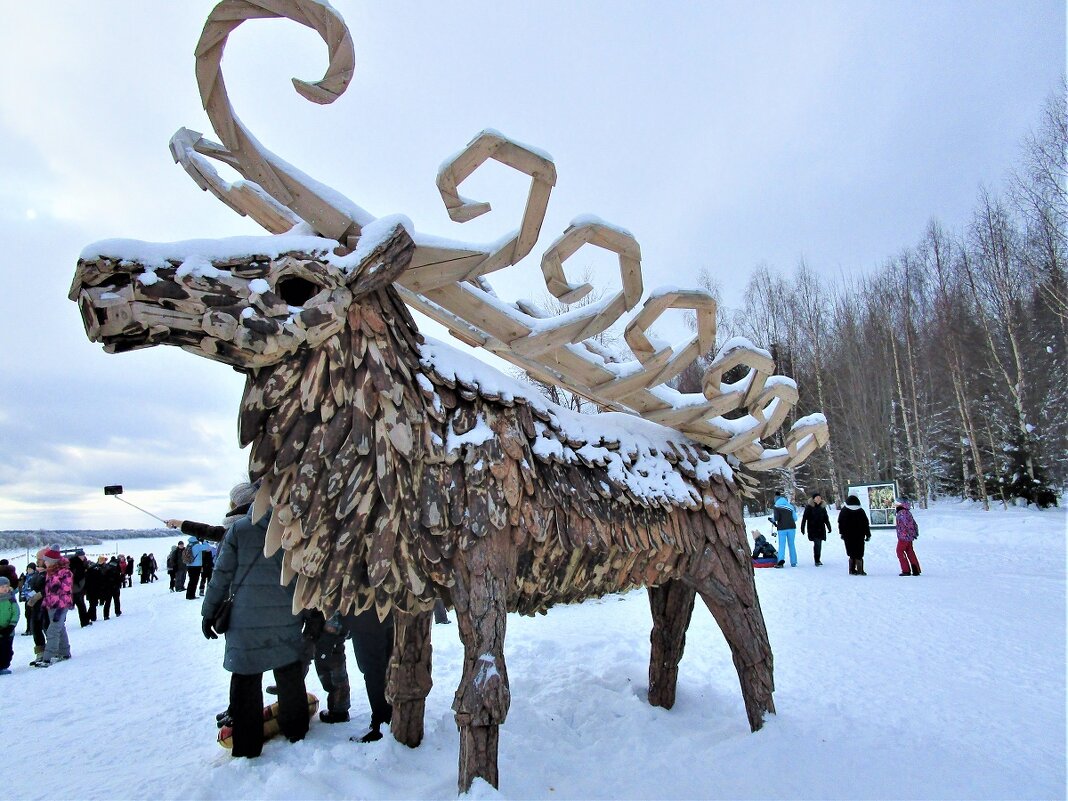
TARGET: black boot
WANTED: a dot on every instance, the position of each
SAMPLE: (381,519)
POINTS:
(860,568)
(340,716)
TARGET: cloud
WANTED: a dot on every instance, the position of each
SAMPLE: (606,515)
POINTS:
(722,135)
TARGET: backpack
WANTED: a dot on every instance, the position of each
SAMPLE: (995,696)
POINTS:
(188,556)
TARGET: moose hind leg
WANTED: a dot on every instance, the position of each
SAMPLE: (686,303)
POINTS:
(672,606)
(482,699)
(743,627)
(409,680)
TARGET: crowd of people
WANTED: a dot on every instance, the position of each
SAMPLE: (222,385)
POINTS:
(225,566)
(52,586)
(853,527)
(245,603)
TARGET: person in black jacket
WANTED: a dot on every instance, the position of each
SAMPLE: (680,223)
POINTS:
(94,587)
(855,531)
(817,522)
(78,571)
(112,579)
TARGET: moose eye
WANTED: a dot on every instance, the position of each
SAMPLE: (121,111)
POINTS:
(294,290)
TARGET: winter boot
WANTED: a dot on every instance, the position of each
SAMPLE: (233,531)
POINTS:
(860,568)
(852,566)
(781,563)
(915,570)
(341,716)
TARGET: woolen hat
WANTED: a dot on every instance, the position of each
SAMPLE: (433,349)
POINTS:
(52,554)
(5,581)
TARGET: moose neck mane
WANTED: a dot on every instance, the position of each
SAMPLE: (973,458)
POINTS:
(337,432)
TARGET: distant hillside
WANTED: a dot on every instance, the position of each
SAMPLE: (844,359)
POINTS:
(20,540)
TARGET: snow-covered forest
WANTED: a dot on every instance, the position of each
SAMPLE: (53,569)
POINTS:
(945,369)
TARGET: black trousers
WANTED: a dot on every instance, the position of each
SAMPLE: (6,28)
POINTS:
(83,613)
(39,622)
(817,549)
(373,649)
(194,580)
(246,707)
(109,596)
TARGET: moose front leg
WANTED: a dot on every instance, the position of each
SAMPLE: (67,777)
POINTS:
(482,699)
(672,606)
(743,627)
(410,678)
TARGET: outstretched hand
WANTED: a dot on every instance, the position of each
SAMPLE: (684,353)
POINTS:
(173,523)
(207,626)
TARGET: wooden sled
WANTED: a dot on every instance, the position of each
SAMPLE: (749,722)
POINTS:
(270,722)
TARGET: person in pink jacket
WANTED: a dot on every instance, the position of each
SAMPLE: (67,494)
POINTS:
(907,532)
(57,601)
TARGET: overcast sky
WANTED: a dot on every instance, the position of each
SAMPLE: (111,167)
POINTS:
(723,135)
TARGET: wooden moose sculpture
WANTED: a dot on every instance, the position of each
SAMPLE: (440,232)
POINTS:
(400,471)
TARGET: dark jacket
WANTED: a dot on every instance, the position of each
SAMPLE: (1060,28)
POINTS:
(94,581)
(817,522)
(264,633)
(762,549)
(202,531)
(855,531)
(111,577)
(78,571)
(783,515)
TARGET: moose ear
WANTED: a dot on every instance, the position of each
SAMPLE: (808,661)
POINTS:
(379,258)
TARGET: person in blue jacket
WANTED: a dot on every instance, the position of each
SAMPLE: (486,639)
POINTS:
(785,521)
(199,549)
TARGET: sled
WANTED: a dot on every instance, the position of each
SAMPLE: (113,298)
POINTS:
(270,722)
(766,561)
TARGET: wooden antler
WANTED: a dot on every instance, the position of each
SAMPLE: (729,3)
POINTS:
(446,281)
(309,201)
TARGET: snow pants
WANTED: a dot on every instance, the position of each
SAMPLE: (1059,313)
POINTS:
(786,538)
(7,650)
(109,596)
(332,670)
(906,556)
(57,645)
(246,707)
(372,642)
(194,582)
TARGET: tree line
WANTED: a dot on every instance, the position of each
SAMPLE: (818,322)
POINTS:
(946,368)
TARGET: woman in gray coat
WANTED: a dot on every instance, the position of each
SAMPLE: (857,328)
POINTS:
(264,634)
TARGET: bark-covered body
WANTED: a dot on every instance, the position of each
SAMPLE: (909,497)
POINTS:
(394,482)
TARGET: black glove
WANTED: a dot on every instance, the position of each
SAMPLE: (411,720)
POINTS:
(206,626)
(867,537)
(7,631)
(313,625)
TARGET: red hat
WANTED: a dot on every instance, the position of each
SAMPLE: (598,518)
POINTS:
(52,554)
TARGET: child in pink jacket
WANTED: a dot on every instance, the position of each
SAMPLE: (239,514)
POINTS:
(907,532)
(58,600)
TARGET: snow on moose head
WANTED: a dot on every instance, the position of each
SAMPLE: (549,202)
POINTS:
(399,472)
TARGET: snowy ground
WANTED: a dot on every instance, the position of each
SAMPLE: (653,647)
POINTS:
(950,685)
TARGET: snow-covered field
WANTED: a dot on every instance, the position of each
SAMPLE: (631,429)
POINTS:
(950,685)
